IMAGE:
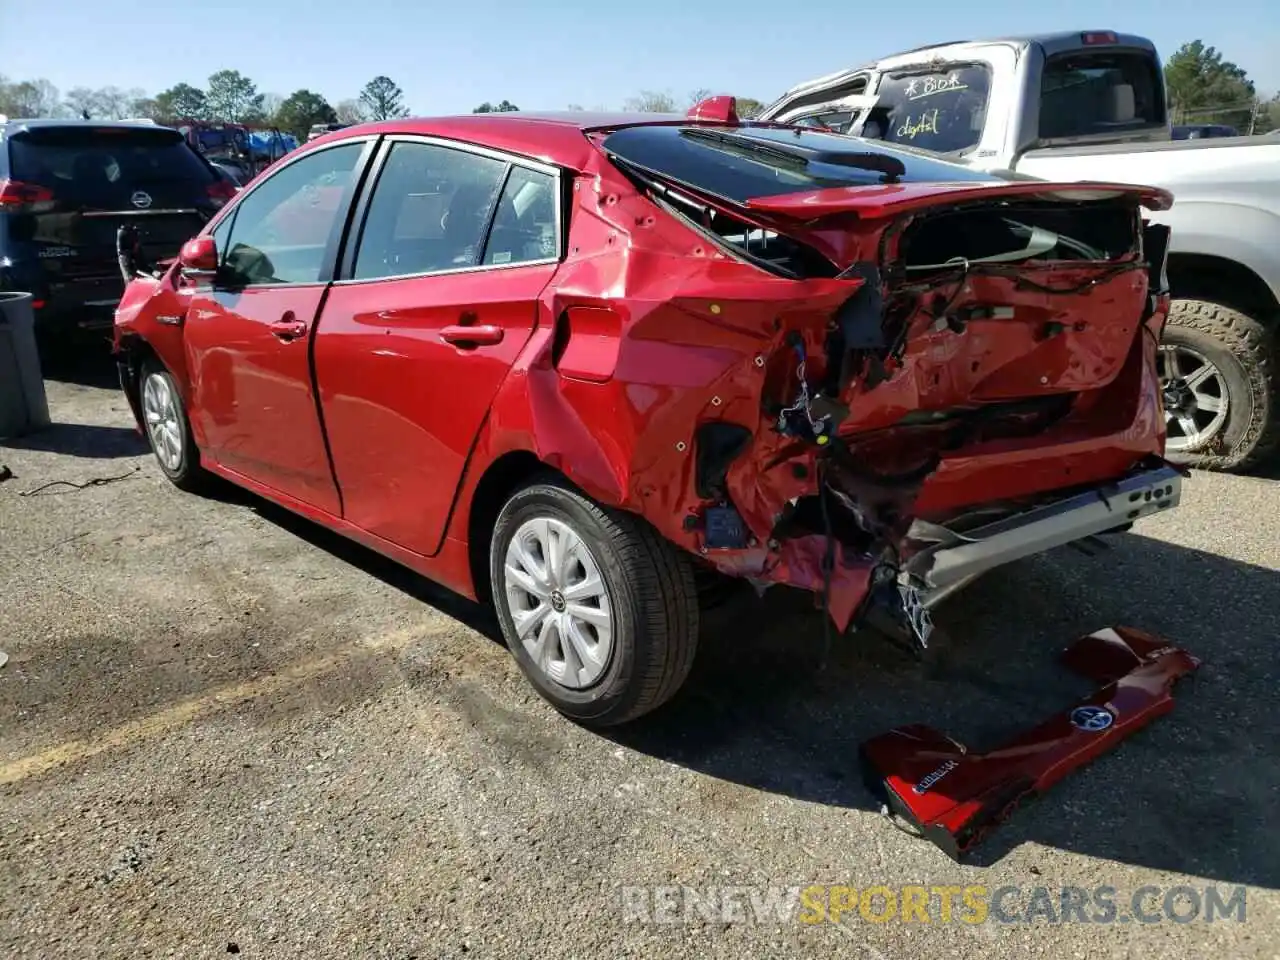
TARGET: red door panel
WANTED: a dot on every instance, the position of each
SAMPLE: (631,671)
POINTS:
(401,402)
(252,396)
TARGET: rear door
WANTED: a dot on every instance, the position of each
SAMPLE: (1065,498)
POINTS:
(85,181)
(440,296)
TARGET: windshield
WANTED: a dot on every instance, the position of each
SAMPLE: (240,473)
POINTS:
(941,109)
(739,163)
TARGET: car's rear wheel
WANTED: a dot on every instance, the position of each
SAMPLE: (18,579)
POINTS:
(164,417)
(600,612)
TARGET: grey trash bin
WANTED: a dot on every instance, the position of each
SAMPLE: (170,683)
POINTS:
(24,408)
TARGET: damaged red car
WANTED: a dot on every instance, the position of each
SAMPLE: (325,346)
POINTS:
(581,366)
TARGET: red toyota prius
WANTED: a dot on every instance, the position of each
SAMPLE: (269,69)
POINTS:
(580,365)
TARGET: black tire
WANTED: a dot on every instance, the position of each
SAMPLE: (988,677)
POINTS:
(1245,353)
(187,474)
(651,595)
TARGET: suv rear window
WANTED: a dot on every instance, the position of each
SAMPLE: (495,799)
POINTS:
(738,163)
(103,165)
(1085,94)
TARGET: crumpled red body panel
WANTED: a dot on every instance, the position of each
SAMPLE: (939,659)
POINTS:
(665,333)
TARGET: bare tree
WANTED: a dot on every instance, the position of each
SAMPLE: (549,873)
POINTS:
(650,101)
(30,98)
(83,102)
(349,111)
(116,104)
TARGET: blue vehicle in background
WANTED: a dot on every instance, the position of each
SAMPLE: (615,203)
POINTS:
(240,149)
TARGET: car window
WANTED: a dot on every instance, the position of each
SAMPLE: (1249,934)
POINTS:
(942,108)
(524,228)
(840,120)
(429,211)
(1093,93)
(741,163)
(105,167)
(282,227)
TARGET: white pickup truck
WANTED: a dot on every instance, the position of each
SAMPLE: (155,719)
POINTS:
(1092,106)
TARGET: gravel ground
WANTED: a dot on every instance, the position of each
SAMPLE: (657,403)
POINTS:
(227,731)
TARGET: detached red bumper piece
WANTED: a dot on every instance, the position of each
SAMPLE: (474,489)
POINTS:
(954,797)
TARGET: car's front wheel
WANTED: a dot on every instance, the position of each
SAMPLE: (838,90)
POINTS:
(600,611)
(164,417)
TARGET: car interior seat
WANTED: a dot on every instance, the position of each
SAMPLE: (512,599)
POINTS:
(1119,105)
(464,222)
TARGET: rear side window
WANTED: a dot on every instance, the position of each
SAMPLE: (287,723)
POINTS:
(524,228)
(429,211)
(104,166)
(1098,93)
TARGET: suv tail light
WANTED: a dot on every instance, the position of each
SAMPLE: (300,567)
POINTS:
(18,197)
(1098,36)
(220,192)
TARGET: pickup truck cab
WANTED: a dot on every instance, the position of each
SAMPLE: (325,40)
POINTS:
(1093,105)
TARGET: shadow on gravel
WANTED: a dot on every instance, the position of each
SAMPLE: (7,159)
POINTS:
(467,612)
(85,440)
(1194,792)
(86,362)
(1267,471)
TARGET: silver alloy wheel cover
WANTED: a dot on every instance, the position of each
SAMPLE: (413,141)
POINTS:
(559,604)
(1207,393)
(164,426)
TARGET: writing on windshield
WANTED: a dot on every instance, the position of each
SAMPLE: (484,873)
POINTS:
(942,110)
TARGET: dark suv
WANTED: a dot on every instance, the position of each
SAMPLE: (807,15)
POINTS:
(65,189)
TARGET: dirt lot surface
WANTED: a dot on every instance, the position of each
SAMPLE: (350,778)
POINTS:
(223,730)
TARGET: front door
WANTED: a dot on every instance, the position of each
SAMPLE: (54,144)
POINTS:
(248,334)
(442,296)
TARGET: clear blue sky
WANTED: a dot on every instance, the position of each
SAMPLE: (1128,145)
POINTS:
(449,57)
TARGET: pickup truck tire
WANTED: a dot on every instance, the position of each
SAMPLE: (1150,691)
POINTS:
(168,429)
(1241,350)
(619,586)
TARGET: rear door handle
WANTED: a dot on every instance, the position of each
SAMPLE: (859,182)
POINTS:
(465,335)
